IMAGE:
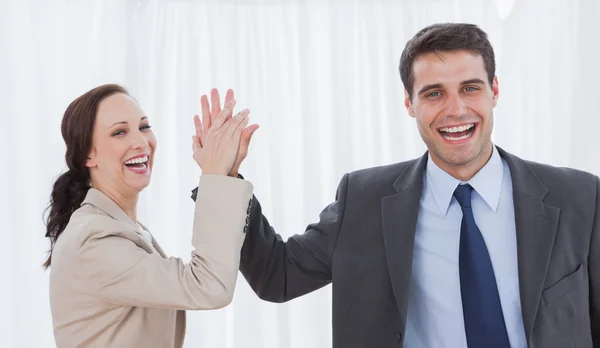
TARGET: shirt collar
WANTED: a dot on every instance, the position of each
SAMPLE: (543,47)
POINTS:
(487,182)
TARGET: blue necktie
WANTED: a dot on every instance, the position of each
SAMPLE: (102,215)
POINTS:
(484,321)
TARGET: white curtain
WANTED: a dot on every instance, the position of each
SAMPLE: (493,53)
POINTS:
(320,77)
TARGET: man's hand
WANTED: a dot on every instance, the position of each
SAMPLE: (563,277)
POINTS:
(209,115)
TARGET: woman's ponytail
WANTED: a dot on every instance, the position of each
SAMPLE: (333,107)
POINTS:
(68,193)
(70,188)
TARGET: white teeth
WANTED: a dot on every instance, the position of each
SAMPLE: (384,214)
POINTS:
(458,138)
(138,160)
(143,166)
(458,129)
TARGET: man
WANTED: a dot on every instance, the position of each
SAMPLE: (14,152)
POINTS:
(466,246)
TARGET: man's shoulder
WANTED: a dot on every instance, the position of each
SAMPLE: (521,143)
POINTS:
(380,174)
(565,186)
(552,175)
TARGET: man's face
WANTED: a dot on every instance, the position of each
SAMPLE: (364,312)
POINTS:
(453,104)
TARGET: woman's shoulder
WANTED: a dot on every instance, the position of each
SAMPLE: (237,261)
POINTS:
(90,224)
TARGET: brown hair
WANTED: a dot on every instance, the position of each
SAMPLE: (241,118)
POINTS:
(443,38)
(71,187)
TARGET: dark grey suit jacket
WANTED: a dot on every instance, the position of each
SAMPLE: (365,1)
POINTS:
(363,245)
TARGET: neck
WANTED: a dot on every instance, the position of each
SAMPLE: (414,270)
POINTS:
(465,172)
(127,203)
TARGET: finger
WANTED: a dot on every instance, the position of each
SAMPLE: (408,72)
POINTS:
(205,112)
(216,104)
(229,97)
(236,128)
(231,125)
(220,120)
(196,143)
(249,131)
(199,128)
(246,137)
(242,125)
(253,128)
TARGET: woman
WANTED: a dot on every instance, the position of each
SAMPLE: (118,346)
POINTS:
(111,284)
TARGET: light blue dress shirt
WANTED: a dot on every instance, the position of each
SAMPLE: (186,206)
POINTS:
(435,317)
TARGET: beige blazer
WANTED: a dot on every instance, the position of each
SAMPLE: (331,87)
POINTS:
(111,288)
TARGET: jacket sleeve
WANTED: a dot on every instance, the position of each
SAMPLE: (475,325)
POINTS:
(119,271)
(278,270)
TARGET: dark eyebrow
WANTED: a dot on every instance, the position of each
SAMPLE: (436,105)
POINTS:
(473,82)
(439,85)
(123,122)
(430,87)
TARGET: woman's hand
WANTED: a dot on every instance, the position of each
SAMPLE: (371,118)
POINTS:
(210,114)
(216,147)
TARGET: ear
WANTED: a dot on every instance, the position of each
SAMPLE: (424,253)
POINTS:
(495,90)
(408,104)
(91,160)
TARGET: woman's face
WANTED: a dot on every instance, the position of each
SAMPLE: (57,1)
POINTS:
(123,145)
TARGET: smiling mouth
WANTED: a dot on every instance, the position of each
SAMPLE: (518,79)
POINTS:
(457,133)
(137,164)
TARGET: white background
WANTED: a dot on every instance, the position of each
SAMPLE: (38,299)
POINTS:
(320,77)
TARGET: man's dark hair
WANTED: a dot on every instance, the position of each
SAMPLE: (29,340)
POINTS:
(444,38)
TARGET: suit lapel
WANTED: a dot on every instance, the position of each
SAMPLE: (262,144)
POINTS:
(399,220)
(536,224)
(97,198)
(154,243)
(158,248)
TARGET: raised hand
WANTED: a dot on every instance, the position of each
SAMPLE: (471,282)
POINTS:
(215,149)
(210,114)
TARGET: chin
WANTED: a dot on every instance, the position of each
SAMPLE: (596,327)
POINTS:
(139,185)
(460,156)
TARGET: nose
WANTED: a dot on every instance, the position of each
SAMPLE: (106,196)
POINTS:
(455,105)
(139,141)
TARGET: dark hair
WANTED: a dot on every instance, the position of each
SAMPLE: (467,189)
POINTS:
(443,38)
(71,187)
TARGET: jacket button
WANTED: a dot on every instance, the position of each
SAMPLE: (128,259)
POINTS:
(399,337)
